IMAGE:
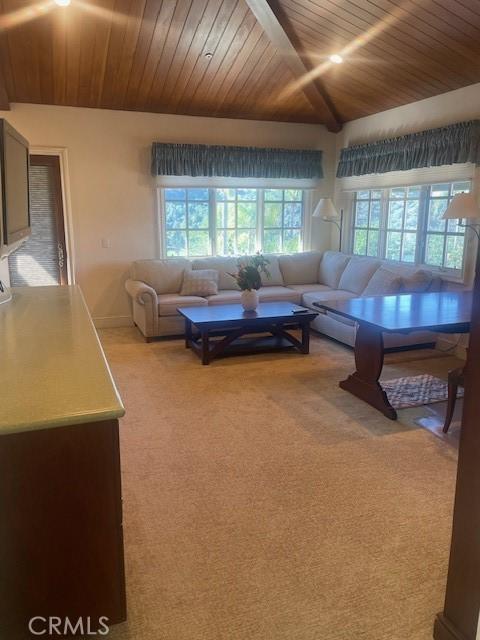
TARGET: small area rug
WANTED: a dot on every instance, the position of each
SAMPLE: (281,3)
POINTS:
(413,391)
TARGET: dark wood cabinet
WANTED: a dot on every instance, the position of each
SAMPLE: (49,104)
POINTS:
(61,542)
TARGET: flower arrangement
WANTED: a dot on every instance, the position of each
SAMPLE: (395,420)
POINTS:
(248,275)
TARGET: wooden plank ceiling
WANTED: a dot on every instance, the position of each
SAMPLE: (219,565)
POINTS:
(226,58)
(395,52)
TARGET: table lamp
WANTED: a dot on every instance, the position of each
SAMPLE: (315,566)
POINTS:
(326,210)
(464,206)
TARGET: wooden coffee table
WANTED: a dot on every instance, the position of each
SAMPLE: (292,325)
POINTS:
(223,330)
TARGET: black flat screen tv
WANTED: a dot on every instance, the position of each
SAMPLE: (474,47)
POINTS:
(14,184)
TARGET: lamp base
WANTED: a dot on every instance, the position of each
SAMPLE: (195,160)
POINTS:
(5,293)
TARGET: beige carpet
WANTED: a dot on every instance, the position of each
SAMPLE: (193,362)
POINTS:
(262,502)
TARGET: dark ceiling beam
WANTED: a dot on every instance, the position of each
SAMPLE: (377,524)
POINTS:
(4,99)
(280,33)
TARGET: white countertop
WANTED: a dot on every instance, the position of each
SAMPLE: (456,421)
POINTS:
(53,370)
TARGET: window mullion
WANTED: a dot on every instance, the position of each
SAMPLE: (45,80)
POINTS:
(303,228)
(383,224)
(422,225)
(402,235)
(212,219)
(445,233)
(353,222)
(282,221)
(369,225)
(235,233)
(187,222)
(260,220)
(162,222)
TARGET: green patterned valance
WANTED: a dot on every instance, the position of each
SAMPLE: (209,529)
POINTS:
(234,162)
(456,143)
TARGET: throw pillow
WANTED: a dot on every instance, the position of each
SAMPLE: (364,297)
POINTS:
(357,274)
(332,265)
(383,283)
(202,282)
(418,282)
(224,265)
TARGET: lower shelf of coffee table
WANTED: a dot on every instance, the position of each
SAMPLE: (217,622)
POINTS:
(250,345)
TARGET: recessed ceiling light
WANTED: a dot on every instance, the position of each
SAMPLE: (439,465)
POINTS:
(336,58)
(209,55)
(62,3)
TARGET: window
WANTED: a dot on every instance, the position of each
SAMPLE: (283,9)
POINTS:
(282,220)
(187,223)
(402,224)
(203,222)
(236,221)
(445,239)
(405,224)
(366,221)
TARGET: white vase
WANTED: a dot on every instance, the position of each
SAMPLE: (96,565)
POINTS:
(249,299)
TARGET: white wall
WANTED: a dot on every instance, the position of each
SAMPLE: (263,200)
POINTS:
(112,191)
(454,106)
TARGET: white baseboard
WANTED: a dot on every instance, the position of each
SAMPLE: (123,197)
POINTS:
(113,321)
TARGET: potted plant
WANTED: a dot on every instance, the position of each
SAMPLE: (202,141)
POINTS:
(249,279)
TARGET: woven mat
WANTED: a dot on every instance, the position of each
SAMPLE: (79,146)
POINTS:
(413,391)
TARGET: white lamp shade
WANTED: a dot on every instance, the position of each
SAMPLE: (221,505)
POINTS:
(463,205)
(325,209)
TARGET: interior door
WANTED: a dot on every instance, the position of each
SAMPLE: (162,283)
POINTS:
(42,259)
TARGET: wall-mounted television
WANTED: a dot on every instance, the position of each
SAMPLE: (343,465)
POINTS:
(14,185)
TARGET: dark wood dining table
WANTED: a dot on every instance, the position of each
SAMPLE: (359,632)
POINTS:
(444,312)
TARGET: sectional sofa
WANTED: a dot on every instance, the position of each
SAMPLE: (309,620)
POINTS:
(302,278)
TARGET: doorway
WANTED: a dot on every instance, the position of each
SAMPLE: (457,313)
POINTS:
(42,259)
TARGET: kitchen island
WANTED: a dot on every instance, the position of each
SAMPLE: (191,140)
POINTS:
(61,540)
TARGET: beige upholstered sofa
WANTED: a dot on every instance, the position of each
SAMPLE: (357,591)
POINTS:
(302,278)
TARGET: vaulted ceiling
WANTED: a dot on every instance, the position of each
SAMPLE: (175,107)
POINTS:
(255,59)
